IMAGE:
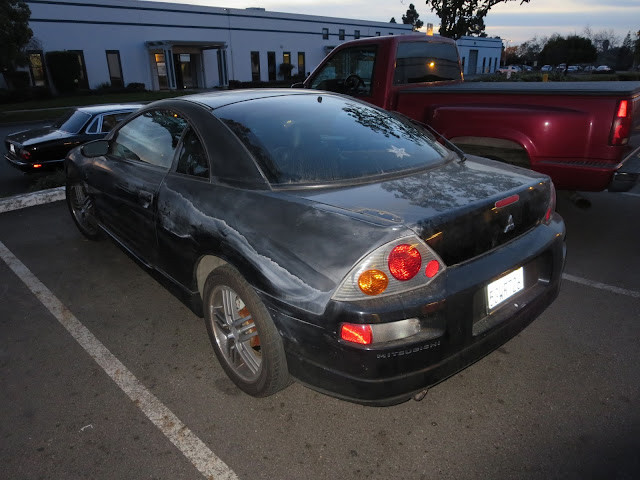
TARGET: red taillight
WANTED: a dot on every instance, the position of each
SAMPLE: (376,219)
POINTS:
(354,333)
(37,165)
(25,154)
(405,262)
(432,268)
(552,204)
(621,126)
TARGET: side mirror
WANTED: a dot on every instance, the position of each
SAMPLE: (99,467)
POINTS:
(97,148)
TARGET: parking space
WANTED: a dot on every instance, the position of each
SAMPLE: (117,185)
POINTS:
(558,401)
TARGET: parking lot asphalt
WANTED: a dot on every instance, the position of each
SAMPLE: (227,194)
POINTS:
(558,401)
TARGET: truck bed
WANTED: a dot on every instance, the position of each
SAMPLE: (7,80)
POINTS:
(614,89)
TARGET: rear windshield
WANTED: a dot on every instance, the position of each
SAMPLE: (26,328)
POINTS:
(418,62)
(72,122)
(311,139)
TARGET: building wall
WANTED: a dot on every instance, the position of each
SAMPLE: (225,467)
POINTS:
(489,51)
(125,26)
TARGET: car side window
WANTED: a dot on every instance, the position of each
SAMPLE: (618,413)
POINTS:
(93,126)
(350,71)
(150,138)
(192,159)
(110,121)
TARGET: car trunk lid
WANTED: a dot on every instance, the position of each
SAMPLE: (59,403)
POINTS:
(461,209)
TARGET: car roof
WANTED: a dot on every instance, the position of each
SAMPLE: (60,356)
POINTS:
(110,107)
(222,98)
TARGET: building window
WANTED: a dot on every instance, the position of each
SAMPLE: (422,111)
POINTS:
(83,81)
(271,66)
(36,67)
(484,63)
(115,68)
(325,34)
(302,67)
(377,34)
(161,68)
(341,34)
(255,66)
(286,65)
(356,34)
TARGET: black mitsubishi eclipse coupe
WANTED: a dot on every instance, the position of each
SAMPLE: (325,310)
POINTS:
(323,239)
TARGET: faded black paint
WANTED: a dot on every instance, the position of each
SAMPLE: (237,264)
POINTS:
(294,246)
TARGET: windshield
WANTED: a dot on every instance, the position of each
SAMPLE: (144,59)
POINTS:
(72,122)
(418,62)
(317,139)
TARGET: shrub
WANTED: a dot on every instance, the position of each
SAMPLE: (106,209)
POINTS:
(136,87)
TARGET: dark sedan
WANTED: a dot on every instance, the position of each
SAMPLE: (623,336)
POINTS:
(324,239)
(42,148)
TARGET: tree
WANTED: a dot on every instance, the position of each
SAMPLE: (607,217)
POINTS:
(14,34)
(411,18)
(393,20)
(603,40)
(573,49)
(463,17)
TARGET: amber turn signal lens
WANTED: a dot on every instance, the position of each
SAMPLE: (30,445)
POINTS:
(373,282)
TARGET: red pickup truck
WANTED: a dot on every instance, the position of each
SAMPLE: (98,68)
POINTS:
(585,135)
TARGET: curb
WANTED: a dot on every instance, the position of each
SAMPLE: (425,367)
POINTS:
(32,199)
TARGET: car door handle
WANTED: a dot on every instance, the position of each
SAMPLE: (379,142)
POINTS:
(145,199)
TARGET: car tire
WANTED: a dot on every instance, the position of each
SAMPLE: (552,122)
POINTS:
(243,335)
(82,209)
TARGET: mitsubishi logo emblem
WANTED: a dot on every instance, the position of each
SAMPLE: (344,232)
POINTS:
(510,224)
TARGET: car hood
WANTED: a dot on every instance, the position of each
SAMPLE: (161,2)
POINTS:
(452,207)
(37,136)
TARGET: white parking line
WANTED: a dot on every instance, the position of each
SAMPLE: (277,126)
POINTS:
(184,439)
(30,199)
(602,286)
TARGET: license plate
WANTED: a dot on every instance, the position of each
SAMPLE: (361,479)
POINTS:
(504,288)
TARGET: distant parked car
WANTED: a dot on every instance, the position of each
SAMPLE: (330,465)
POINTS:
(573,68)
(42,148)
(546,68)
(562,67)
(509,69)
(603,69)
(590,68)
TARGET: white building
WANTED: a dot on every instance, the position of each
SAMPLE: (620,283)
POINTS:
(479,55)
(176,46)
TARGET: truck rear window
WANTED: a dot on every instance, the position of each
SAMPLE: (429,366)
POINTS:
(418,62)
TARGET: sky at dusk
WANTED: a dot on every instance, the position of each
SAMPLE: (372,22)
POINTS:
(511,21)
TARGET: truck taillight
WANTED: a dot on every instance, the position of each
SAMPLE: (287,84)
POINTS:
(621,126)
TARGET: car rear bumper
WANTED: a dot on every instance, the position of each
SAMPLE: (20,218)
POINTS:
(457,330)
(15,162)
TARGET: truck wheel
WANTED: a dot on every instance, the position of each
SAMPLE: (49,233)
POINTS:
(243,335)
